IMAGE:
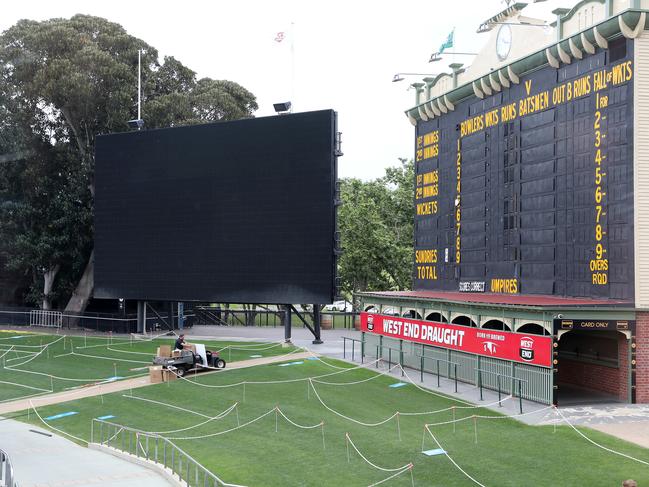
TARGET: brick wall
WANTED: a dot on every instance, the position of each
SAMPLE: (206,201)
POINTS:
(642,357)
(610,380)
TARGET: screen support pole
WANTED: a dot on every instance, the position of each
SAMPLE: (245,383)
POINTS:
(171,315)
(287,323)
(316,324)
(140,316)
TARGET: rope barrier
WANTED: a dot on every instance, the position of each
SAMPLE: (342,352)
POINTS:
(54,428)
(299,425)
(25,386)
(221,415)
(223,432)
(371,425)
(153,401)
(429,391)
(383,469)
(409,468)
(453,461)
(597,444)
(109,358)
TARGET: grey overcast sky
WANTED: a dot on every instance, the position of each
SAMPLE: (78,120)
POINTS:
(345,52)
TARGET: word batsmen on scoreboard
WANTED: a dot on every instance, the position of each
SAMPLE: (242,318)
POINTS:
(518,347)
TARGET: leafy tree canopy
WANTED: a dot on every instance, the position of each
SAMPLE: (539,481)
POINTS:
(62,82)
(376,225)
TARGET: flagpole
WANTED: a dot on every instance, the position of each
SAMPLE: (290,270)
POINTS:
(292,66)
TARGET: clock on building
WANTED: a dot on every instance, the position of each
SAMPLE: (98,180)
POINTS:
(503,42)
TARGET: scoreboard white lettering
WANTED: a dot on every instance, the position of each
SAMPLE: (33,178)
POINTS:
(530,190)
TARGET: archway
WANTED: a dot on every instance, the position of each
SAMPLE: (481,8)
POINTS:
(435,316)
(411,313)
(593,367)
(464,321)
(496,325)
(533,329)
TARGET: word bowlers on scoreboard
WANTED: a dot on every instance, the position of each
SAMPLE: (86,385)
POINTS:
(518,347)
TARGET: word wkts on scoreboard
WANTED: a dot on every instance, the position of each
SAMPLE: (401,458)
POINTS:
(238,211)
(530,190)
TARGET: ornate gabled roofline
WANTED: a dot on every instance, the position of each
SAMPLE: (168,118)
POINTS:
(489,24)
(561,52)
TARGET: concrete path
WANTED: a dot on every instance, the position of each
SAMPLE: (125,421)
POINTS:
(52,461)
(127,384)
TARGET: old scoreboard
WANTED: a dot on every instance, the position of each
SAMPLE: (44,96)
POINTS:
(530,190)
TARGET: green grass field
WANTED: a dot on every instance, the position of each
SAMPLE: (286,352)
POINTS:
(73,361)
(507,452)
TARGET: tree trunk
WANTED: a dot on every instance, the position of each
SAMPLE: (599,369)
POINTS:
(49,277)
(81,295)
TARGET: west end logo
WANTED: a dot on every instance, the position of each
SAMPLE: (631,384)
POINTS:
(526,350)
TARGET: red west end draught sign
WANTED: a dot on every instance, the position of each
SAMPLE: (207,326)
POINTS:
(518,347)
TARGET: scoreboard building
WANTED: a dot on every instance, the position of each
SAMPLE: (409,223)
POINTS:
(531,207)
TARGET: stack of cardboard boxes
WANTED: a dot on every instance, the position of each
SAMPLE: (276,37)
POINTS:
(159,374)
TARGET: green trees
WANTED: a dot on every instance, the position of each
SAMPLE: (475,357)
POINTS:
(62,82)
(376,225)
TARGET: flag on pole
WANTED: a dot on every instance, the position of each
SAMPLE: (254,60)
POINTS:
(280,36)
(448,43)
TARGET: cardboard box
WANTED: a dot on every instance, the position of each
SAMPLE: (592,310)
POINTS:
(168,375)
(165,351)
(155,374)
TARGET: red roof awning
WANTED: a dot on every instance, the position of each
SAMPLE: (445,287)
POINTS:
(505,299)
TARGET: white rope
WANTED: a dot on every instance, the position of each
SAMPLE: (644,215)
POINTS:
(153,401)
(450,408)
(427,391)
(371,425)
(22,398)
(453,461)
(221,415)
(42,350)
(299,425)
(25,386)
(7,351)
(383,469)
(514,416)
(286,381)
(409,468)
(255,348)
(597,444)
(223,432)
(353,383)
(320,359)
(70,379)
(110,358)
(150,354)
(56,429)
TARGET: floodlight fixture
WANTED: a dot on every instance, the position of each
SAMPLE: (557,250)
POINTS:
(401,76)
(437,56)
(282,108)
(138,124)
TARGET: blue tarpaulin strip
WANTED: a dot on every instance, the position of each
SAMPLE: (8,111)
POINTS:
(290,363)
(398,384)
(106,417)
(62,415)
(432,453)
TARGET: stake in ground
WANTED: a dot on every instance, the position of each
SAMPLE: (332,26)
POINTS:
(506,452)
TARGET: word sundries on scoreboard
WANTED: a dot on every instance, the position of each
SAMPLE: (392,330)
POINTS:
(530,190)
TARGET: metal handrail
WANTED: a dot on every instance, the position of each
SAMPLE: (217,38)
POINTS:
(7,478)
(157,449)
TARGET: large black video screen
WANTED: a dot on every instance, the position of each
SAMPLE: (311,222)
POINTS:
(530,189)
(239,212)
